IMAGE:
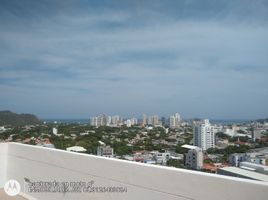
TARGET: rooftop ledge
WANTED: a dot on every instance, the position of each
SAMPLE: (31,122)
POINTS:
(33,164)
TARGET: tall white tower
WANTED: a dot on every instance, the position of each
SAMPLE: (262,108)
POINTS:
(174,120)
(204,135)
(144,120)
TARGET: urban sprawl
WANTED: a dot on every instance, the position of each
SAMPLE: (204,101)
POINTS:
(239,149)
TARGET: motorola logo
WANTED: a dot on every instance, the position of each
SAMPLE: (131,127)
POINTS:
(12,188)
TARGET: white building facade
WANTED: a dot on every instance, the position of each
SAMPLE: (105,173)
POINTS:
(174,120)
(204,135)
(105,150)
(194,157)
(101,120)
(55,131)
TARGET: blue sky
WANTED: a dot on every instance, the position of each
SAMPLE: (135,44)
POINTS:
(75,59)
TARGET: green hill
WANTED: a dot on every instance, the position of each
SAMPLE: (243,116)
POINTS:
(14,119)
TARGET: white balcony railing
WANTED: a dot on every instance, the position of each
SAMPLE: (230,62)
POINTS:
(30,164)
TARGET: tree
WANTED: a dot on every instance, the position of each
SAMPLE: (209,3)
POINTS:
(222,135)
(180,149)
(175,163)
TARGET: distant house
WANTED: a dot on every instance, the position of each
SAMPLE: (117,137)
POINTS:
(2,129)
(47,145)
(194,157)
(78,149)
(161,158)
(105,150)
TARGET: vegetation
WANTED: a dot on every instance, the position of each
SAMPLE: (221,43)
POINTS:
(241,139)
(175,163)
(229,150)
(124,140)
(13,119)
(221,135)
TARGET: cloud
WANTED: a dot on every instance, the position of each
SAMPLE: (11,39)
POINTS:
(191,57)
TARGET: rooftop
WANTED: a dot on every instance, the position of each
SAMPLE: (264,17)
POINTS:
(76,149)
(246,173)
(254,166)
(187,146)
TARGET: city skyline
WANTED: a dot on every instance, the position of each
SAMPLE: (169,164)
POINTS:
(76,59)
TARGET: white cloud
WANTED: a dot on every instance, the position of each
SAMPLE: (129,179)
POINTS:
(107,57)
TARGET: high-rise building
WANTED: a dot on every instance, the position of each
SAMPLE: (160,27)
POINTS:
(109,120)
(94,121)
(163,121)
(131,122)
(150,120)
(144,120)
(153,120)
(174,120)
(116,120)
(101,120)
(128,123)
(134,121)
(204,135)
(255,134)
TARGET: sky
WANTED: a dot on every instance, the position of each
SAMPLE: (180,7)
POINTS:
(78,58)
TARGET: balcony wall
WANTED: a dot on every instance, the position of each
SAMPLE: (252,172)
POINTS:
(3,163)
(143,181)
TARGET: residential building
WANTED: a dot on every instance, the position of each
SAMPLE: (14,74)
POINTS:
(2,129)
(256,134)
(161,157)
(257,156)
(153,120)
(116,120)
(174,120)
(105,150)
(144,120)
(55,131)
(101,120)
(128,123)
(134,121)
(236,158)
(77,149)
(94,121)
(47,145)
(204,135)
(194,157)
(109,120)
(131,122)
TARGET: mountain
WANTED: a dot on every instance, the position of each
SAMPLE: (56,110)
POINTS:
(14,119)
